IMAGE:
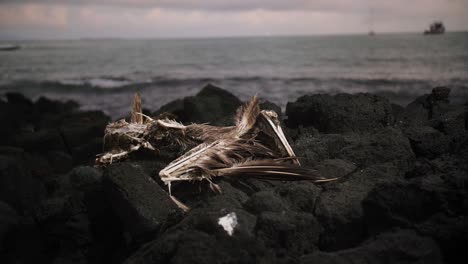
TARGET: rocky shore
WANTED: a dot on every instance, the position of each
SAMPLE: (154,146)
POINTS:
(406,200)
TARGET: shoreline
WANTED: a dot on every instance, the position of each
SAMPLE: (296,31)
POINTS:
(115,101)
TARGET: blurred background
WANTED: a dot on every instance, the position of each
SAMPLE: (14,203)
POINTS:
(99,52)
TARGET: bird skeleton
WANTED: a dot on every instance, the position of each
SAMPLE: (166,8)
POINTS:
(254,146)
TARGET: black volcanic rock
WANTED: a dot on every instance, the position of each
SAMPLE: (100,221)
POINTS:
(18,99)
(199,238)
(18,187)
(340,113)
(426,107)
(398,204)
(141,204)
(339,206)
(401,246)
(384,145)
(427,141)
(82,133)
(401,196)
(198,247)
(288,233)
(35,141)
(8,220)
(450,233)
(211,105)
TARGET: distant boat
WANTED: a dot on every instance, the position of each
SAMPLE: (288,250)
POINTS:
(371,33)
(9,47)
(435,28)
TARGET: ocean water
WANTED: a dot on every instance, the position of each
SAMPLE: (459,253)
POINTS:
(103,74)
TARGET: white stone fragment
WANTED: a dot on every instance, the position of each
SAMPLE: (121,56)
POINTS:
(228,222)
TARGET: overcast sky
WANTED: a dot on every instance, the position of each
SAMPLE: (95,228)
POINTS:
(31,19)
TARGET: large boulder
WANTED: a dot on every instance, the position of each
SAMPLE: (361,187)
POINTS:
(211,105)
(18,187)
(142,205)
(433,126)
(288,233)
(425,107)
(82,133)
(384,145)
(427,141)
(200,238)
(398,204)
(402,246)
(340,113)
(8,220)
(198,247)
(339,206)
(451,234)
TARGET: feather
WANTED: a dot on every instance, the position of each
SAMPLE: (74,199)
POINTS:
(273,170)
(136,110)
(246,116)
(200,161)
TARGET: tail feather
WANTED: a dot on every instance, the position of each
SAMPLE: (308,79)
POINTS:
(273,170)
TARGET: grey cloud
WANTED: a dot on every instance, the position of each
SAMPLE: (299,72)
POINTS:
(216,5)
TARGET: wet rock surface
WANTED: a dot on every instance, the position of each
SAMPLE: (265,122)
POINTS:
(401,196)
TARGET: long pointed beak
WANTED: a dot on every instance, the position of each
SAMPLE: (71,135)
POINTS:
(282,138)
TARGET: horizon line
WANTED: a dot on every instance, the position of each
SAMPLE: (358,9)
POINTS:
(222,37)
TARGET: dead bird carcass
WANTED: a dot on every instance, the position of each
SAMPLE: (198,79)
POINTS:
(256,146)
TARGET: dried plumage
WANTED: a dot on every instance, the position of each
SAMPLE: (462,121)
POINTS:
(136,110)
(255,146)
(246,116)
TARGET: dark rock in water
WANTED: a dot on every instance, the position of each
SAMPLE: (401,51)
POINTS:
(440,94)
(433,126)
(288,233)
(211,105)
(45,105)
(340,113)
(18,99)
(403,246)
(425,107)
(141,204)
